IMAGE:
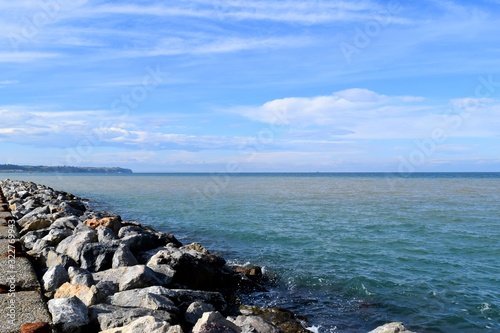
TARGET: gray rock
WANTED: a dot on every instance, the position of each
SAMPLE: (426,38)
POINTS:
(97,257)
(37,213)
(68,222)
(80,276)
(40,244)
(396,327)
(107,316)
(105,289)
(139,238)
(145,324)
(150,298)
(138,276)
(164,272)
(74,208)
(30,238)
(105,234)
(72,245)
(196,310)
(68,313)
(55,277)
(35,224)
(49,257)
(55,236)
(251,324)
(212,322)
(123,257)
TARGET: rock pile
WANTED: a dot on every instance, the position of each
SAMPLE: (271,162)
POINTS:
(102,274)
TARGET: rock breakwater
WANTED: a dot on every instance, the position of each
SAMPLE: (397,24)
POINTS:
(99,273)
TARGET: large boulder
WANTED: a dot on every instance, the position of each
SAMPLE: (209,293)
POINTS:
(147,324)
(196,310)
(73,245)
(139,238)
(130,277)
(97,257)
(123,257)
(67,222)
(80,276)
(55,277)
(148,298)
(112,222)
(88,295)
(214,322)
(106,316)
(250,324)
(70,314)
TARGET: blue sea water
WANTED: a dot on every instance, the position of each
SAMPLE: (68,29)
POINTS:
(350,251)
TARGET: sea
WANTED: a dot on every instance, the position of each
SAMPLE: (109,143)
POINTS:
(349,251)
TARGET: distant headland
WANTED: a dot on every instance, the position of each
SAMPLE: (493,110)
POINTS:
(60,169)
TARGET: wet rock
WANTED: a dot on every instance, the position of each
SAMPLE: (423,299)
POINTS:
(80,276)
(196,310)
(250,324)
(114,223)
(70,314)
(105,316)
(214,322)
(97,257)
(283,319)
(145,324)
(123,257)
(396,327)
(54,278)
(88,295)
(72,245)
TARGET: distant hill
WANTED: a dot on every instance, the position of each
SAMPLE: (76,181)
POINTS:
(60,169)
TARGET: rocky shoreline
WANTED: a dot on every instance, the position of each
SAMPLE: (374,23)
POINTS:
(98,273)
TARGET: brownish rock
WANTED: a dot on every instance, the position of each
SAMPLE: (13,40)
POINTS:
(114,223)
(39,327)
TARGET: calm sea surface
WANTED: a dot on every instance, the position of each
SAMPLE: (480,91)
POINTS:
(351,251)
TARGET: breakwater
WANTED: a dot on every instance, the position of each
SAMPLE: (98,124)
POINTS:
(97,273)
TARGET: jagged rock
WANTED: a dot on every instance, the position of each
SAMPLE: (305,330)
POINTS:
(250,324)
(40,245)
(195,247)
(145,324)
(55,236)
(137,277)
(31,237)
(113,222)
(80,276)
(105,289)
(49,257)
(88,295)
(212,322)
(37,213)
(35,225)
(68,222)
(105,316)
(74,208)
(68,313)
(211,272)
(72,245)
(148,298)
(139,238)
(104,234)
(164,272)
(123,257)
(283,319)
(395,327)
(97,257)
(54,278)
(196,310)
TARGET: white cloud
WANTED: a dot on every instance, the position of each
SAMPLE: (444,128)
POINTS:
(364,114)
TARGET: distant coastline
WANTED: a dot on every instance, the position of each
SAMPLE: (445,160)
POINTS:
(12,168)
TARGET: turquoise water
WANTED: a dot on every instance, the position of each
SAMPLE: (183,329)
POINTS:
(352,251)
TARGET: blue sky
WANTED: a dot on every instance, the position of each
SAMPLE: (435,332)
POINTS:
(242,86)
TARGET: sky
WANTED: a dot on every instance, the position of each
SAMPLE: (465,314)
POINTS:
(251,86)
